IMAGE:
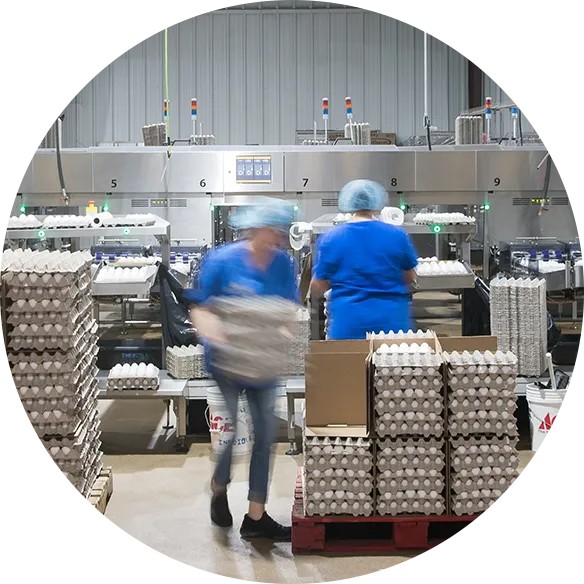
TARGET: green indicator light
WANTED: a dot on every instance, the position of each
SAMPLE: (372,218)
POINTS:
(295,207)
(212,207)
(126,231)
(487,206)
(106,208)
(436,228)
(22,209)
(41,233)
(403,206)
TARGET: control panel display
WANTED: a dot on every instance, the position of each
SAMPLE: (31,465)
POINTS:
(253,169)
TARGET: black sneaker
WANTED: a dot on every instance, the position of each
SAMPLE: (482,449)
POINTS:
(220,514)
(266,528)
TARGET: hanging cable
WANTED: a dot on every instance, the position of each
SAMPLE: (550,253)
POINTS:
(64,195)
(520,128)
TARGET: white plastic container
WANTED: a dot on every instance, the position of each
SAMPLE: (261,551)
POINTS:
(223,428)
(544,405)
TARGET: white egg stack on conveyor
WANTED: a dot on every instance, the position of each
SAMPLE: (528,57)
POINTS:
(186,362)
(52,351)
(443,219)
(24,222)
(256,331)
(409,419)
(519,320)
(338,476)
(410,477)
(440,268)
(400,335)
(482,428)
(133,376)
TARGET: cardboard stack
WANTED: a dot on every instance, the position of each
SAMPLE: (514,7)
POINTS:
(186,362)
(51,339)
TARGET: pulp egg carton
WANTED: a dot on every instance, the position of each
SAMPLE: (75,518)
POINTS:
(406,409)
(117,275)
(482,422)
(84,434)
(79,466)
(48,305)
(76,451)
(388,483)
(40,280)
(186,362)
(338,462)
(24,222)
(340,479)
(46,261)
(316,447)
(476,502)
(468,485)
(40,341)
(57,363)
(412,348)
(51,424)
(66,294)
(443,219)
(54,318)
(411,455)
(401,335)
(134,376)
(410,424)
(411,502)
(496,404)
(340,503)
(441,268)
(70,221)
(485,453)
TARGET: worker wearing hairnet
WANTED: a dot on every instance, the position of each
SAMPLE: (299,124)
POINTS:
(368,265)
(253,266)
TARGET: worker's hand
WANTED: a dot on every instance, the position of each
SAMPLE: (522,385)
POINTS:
(208,325)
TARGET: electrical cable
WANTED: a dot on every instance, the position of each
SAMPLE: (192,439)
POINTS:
(520,129)
(65,196)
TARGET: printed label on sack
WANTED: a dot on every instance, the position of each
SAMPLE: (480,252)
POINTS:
(547,423)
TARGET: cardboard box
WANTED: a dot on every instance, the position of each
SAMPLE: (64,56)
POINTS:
(337,388)
(486,343)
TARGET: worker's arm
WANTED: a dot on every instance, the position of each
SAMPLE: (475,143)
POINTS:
(410,276)
(207,324)
(318,287)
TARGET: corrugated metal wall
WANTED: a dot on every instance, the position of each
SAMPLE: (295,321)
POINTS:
(260,75)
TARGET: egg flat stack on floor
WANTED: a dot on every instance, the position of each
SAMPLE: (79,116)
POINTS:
(482,428)
(52,350)
(409,423)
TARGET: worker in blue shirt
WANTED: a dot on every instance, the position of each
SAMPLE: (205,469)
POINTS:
(253,266)
(367,264)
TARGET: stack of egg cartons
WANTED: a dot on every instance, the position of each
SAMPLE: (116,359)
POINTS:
(482,428)
(298,345)
(409,420)
(338,476)
(519,321)
(186,362)
(52,350)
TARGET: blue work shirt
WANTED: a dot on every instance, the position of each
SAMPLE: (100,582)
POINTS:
(230,270)
(364,262)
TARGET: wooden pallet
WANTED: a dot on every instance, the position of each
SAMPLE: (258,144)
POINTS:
(348,534)
(103,489)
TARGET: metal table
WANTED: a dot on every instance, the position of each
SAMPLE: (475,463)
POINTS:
(170,390)
(295,389)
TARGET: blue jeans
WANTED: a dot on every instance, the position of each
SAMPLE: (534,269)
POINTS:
(261,405)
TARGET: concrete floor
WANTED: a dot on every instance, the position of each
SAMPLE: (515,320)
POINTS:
(162,499)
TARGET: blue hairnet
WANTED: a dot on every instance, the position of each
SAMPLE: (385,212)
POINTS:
(269,213)
(362,195)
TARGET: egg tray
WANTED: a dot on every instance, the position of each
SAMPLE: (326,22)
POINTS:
(386,426)
(360,508)
(85,331)
(496,427)
(85,481)
(356,485)
(133,383)
(484,460)
(468,485)
(338,446)
(474,503)
(76,453)
(464,405)
(481,393)
(410,506)
(64,305)
(66,375)
(66,428)
(87,431)
(386,485)
(45,280)
(410,407)
(500,383)
(86,392)
(356,463)
(79,467)
(64,318)
(43,417)
(69,293)
(48,329)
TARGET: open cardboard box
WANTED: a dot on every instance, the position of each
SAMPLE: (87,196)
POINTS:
(337,388)
(486,343)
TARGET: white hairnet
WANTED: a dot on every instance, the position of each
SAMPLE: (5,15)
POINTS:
(268,213)
(362,195)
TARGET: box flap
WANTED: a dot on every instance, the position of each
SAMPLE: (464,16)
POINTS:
(337,432)
(485,343)
(339,347)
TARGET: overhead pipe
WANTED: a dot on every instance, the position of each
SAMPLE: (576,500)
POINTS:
(426,113)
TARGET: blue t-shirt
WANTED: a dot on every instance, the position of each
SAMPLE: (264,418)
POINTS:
(364,262)
(229,270)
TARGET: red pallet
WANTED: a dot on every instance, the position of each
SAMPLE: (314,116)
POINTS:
(347,534)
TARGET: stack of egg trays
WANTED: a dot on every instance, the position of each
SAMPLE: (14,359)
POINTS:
(408,395)
(532,319)
(482,469)
(411,476)
(338,476)
(500,310)
(186,362)
(482,428)
(409,420)
(52,351)
(298,346)
(136,383)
